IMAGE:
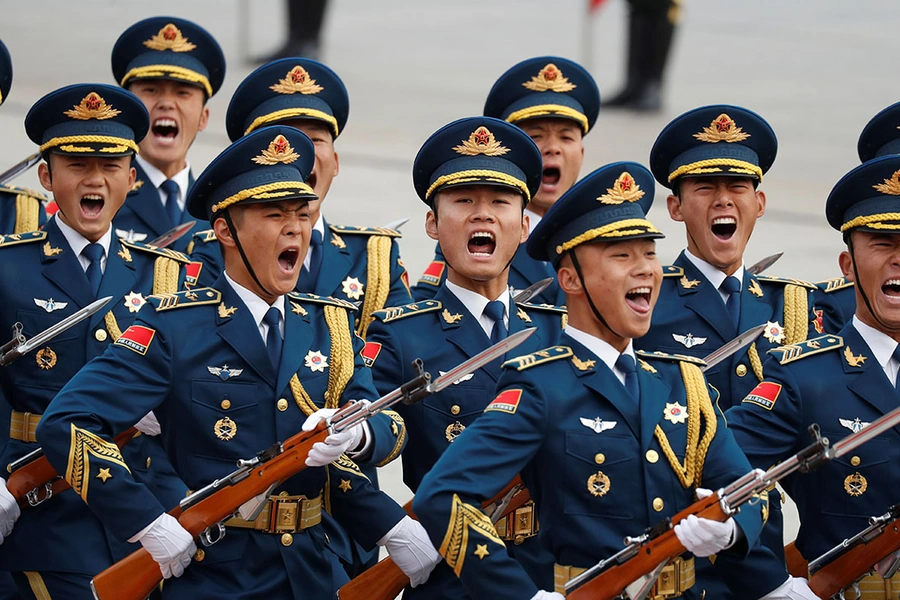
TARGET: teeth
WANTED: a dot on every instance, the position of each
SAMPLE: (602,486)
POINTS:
(486,234)
(640,290)
(92,197)
(892,282)
(725,221)
(165,123)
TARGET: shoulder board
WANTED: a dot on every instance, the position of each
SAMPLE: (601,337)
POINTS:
(672,271)
(786,281)
(834,284)
(544,307)
(198,297)
(791,352)
(167,252)
(394,313)
(353,230)
(205,236)
(520,363)
(14,189)
(321,300)
(12,239)
(671,357)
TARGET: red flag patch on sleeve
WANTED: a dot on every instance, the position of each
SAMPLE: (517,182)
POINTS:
(192,272)
(136,338)
(507,401)
(370,352)
(432,274)
(765,394)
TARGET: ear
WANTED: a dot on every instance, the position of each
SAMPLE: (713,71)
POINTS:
(223,233)
(132,176)
(44,176)
(569,282)
(337,164)
(526,227)
(204,119)
(673,203)
(845,261)
(761,199)
(431,225)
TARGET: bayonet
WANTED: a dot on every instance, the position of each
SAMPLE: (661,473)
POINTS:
(20,167)
(759,267)
(532,290)
(729,348)
(172,235)
(397,224)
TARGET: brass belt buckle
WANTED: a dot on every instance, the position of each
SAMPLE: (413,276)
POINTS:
(523,523)
(284,515)
(668,583)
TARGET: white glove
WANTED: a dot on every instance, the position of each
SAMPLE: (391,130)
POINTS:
(795,588)
(9,511)
(324,453)
(170,545)
(702,537)
(148,425)
(542,595)
(409,547)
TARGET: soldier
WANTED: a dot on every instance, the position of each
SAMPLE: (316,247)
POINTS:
(358,264)
(174,66)
(555,101)
(597,436)
(842,382)
(232,369)
(88,134)
(480,224)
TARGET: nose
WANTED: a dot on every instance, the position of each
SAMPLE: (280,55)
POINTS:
(723,197)
(483,212)
(550,145)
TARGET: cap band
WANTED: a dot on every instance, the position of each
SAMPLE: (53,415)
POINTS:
(287,113)
(121,144)
(479,176)
(263,192)
(618,229)
(712,165)
(158,71)
(548,110)
(874,222)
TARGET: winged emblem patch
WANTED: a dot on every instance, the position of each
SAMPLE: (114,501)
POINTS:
(597,424)
(688,341)
(50,304)
(854,425)
(224,372)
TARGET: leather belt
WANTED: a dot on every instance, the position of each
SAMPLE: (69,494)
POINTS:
(284,514)
(675,579)
(874,587)
(22,426)
(518,525)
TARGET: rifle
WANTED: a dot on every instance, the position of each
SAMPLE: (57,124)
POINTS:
(203,512)
(847,562)
(633,570)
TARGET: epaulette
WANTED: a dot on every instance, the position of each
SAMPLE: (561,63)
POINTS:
(786,281)
(544,307)
(671,357)
(198,297)
(672,271)
(520,363)
(11,239)
(792,352)
(834,284)
(393,313)
(321,300)
(205,236)
(166,252)
(15,189)
(354,230)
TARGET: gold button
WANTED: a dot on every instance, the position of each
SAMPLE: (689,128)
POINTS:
(855,461)
(599,458)
(100,335)
(287,539)
(741,370)
(199,555)
(226,404)
(454,409)
(148,462)
(658,504)
(282,404)
(283,493)
(652,456)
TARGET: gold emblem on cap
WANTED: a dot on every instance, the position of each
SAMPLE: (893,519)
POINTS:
(170,38)
(549,79)
(297,81)
(891,186)
(598,484)
(722,129)
(45,358)
(625,189)
(225,429)
(92,106)
(481,142)
(279,151)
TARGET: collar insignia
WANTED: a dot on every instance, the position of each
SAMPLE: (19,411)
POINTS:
(125,254)
(298,310)
(625,189)
(754,288)
(297,80)
(646,366)
(853,361)
(279,151)
(688,284)
(50,250)
(774,332)
(352,288)
(50,305)
(170,38)
(523,315)
(597,424)
(549,79)
(855,425)
(137,185)
(134,301)
(891,186)
(451,319)
(461,379)
(225,312)
(481,142)
(584,365)
(224,372)
(316,361)
(675,413)
(688,340)
(92,106)
(722,129)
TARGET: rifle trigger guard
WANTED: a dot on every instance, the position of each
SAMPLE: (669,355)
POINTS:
(206,537)
(34,497)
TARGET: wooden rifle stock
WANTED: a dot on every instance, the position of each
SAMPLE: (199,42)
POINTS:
(797,566)
(385,580)
(37,474)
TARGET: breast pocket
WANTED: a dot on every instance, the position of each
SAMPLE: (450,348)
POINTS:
(855,483)
(447,414)
(227,421)
(602,475)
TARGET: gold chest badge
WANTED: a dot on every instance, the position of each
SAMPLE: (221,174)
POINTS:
(855,485)
(45,358)
(453,430)
(225,429)
(598,484)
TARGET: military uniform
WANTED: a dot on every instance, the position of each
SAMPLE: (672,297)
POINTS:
(835,304)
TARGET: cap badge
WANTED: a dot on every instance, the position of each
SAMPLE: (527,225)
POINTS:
(279,151)
(296,81)
(722,129)
(625,189)
(891,186)
(481,142)
(549,79)
(92,106)
(170,38)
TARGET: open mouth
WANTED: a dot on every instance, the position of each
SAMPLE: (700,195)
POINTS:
(287,260)
(164,128)
(550,176)
(638,299)
(481,243)
(91,205)
(891,288)
(724,227)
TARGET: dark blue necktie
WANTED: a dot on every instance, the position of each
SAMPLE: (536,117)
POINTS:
(171,189)
(273,339)
(732,287)
(897,358)
(625,364)
(308,277)
(94,253)
(495,311)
